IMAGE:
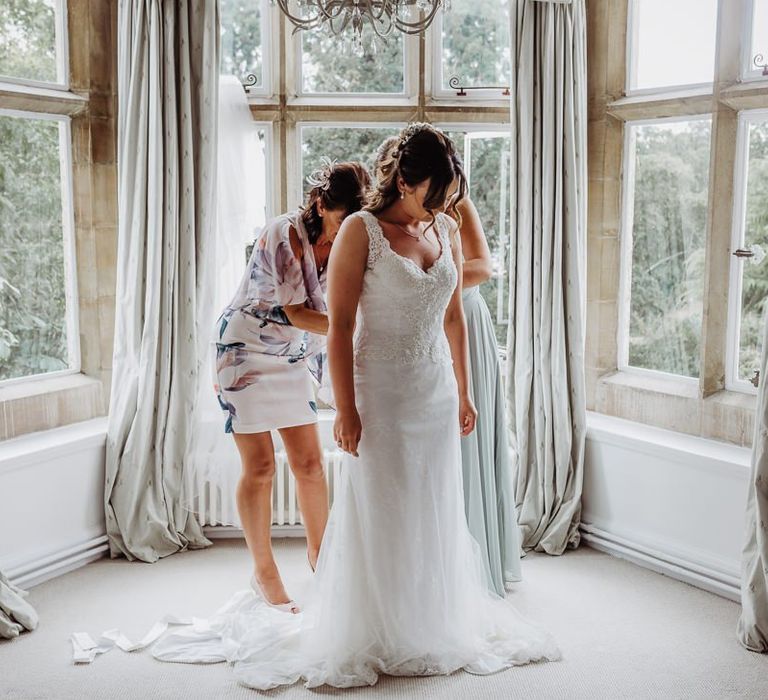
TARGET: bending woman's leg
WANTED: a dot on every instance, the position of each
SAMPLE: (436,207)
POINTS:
(305,455)
(254,504)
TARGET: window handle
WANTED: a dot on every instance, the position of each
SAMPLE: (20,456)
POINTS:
(755,254)
(755,381)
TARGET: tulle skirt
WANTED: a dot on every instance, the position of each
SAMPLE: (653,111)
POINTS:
(399,587)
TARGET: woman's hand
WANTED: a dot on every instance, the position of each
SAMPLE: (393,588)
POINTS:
(347,429)
(467,415)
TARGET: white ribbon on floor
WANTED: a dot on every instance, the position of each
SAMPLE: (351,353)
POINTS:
(85,650)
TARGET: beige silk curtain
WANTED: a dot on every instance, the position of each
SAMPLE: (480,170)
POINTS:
(168,66)
(545,361)
(753,624)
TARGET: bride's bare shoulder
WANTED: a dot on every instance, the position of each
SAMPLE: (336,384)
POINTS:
(352,240)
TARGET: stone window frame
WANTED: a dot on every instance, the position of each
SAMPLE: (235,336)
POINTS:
(87,97)
(704,407)
(284,108)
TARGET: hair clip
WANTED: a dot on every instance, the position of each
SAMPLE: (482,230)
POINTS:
(322,176)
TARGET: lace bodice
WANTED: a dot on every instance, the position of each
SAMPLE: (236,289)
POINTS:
(402,307)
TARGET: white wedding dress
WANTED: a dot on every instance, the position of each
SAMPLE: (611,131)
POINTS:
(399,587)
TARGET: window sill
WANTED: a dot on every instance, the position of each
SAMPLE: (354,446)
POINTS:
(675,404)
(351,101)
(668,386)
(665,104)
(41,404)
(46,100)
(453,101)
(747,95)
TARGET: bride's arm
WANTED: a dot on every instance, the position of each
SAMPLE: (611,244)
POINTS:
(456,332)
(346,268)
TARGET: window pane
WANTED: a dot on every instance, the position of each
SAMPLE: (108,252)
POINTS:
(486,161)
(671,167)
(330,64)
(33,308)
(754,289)
(28,39)
(241,51)
(673,43)
(341,144)
(759,33)
(476,44)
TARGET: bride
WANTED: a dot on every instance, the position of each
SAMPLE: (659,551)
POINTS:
(399,586)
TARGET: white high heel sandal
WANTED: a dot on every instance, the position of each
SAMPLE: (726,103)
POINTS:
(290,607)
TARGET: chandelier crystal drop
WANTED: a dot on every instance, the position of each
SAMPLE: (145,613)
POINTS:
(341,17)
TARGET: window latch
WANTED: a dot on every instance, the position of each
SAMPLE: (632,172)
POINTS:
(755,381)
(755,254)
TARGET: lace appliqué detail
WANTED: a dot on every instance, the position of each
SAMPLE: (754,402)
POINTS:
(403,305)
(376,240)
(407,351)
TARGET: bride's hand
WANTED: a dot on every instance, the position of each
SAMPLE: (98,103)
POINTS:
(467,416)
(347,430)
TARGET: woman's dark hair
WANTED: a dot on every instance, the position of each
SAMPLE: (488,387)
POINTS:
(338,186)
(418,153)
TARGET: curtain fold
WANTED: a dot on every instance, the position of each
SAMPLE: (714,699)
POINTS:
(752,628)
(16,614)
(168,65)
(545,360)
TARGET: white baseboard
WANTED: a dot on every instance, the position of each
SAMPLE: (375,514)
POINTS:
(726,584)
(683,568)
(39,569)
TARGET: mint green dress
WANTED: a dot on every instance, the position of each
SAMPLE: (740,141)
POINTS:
(488,485)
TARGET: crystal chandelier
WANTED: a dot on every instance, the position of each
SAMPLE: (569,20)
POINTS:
(382,16)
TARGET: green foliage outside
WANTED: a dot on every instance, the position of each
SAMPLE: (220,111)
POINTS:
(32,276)
(670,200)
(670,217)
(32,283)
(341,144)
(241,38)
(28,39)
(476,44)
(755,276)
(331,66)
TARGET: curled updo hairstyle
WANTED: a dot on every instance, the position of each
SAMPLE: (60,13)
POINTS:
(338,186)
(419,153)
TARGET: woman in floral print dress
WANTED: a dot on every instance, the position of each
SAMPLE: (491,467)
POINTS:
(269,338)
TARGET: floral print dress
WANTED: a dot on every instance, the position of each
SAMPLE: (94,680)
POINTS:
(264,365)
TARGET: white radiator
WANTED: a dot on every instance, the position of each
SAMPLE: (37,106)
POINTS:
(218,507)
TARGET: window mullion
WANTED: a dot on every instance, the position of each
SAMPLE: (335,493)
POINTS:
(714,341)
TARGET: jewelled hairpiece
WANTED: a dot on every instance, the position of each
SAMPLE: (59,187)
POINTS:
(322,176)
(409,132)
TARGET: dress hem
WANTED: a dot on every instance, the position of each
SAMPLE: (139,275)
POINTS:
(252,429)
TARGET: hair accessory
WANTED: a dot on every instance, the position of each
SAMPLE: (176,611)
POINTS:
(409,132)
(322,176)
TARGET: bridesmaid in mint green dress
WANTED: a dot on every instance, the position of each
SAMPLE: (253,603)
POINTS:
(489,498)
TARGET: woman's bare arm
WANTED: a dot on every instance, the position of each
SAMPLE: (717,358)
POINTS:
(300,315)
(307,319)
(478,266)
(455,323)
(346,268)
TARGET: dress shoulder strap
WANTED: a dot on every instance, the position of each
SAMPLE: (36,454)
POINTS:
(443,225)
(376,242)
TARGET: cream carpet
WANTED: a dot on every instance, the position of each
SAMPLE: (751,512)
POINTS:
(625,632)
